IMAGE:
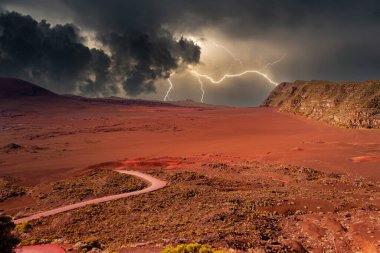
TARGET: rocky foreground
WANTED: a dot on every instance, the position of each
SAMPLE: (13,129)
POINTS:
(228,203)
(346,104)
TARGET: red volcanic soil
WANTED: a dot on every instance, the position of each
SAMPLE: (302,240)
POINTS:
(46,138)
(62,136)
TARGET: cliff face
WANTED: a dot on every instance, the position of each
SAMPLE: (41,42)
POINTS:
(347,104)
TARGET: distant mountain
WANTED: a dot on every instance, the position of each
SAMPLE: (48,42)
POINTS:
(16,88)
(347,104)
(191,103)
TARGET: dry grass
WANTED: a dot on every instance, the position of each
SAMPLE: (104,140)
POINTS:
(242,206)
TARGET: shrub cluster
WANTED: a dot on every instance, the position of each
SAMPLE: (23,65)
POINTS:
(191,248)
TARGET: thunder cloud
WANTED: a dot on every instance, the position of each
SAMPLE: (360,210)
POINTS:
(57,57)
(139,43)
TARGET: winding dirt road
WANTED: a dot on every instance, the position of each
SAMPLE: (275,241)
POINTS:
(154,184)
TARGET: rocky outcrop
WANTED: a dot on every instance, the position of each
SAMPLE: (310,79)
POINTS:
(347,104)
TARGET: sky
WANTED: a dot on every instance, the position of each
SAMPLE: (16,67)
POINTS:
(131,49)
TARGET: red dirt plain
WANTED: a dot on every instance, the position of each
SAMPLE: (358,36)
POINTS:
(61,137)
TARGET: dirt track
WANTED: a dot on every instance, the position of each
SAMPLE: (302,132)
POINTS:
(155,184)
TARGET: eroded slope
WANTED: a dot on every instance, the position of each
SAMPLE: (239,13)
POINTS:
(348,104)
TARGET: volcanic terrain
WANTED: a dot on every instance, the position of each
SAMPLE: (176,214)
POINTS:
(237,178)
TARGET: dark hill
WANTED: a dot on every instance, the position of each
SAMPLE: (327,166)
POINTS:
(16,88)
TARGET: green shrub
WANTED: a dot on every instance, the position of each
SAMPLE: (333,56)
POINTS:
(29,241)
(191,248)
(42,195)
(93,243)
(191,193)
(24,227)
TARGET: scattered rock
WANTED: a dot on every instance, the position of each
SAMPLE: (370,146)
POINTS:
(12,147)
(79,246)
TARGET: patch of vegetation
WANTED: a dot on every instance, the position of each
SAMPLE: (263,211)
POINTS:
(184,212)
(29,241)
(92,184)
(312,174)
(191,248)
(92,243)
(245,213)
(24,227)
(186,176)
(8,189)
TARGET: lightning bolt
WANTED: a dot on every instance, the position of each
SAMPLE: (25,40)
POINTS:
(226,76)
(212,80)
(202,88)
(276,61)
(259,72)
(228,52)
(170,88)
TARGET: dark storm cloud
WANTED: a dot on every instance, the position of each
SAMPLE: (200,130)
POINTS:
(99,84)
(53,56)
(141,58)
(324,39)
(39,52)
(142,49)
(336,40)
(56,57)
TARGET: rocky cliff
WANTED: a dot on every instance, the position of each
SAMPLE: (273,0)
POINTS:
(347,104)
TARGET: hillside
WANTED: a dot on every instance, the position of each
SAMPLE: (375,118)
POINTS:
(347,104)
(16,88)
